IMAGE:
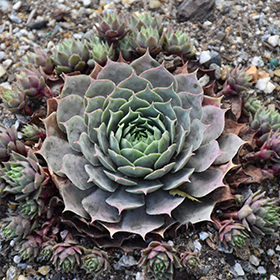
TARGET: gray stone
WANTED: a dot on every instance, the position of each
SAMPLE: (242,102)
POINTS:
(218,70)
(215,58)
(195,10)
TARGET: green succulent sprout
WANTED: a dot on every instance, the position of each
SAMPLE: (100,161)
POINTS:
(95,261)
(67,255)
(159,260)
(24,176)
(71,55)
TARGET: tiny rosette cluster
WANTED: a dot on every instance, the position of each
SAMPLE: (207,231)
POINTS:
(9,142)
(67,255)
(137,146)
(39,59)
(71,55)
(264,121)
(232,233)
(111,27)
(17,227)
(24,176)
(259,215)
(95,261)
(30,247)
(159,260)
(190,259)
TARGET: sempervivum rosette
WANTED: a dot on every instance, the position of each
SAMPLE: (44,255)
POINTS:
(134,145)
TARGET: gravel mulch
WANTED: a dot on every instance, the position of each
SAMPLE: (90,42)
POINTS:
(243,32)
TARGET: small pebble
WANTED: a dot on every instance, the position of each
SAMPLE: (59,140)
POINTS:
(154,4)
(257,60)
(204,57)
(86,3)
(3,71)
(17,259)
(203,235)
(278,246)
(15,19)
(272,277)
(44,270)
(139,276)
(17,5)
(7,63)
(12,273)
(274,61)
(273,40)
(197,246)
(239,270)
(2,55)
(261,270)
(270,252)
(218,70)
(254,260)
(215,58)
(262,83)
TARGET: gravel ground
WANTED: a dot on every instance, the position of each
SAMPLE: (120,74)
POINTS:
(242,32)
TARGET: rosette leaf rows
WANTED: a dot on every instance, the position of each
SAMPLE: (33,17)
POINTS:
(137,146)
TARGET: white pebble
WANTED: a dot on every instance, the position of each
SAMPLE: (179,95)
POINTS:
(86,3)
(272,277)
(204,57)
(261,270)
(204,80)
(262,83)
(254,260)
(17,5)
(239,270)
(273,40)
(2,71)
(197,246)
(257,61)
(270,87)
(203,235)
(7,63)
(277,248)
(270,252)
(17,259)
(139,276)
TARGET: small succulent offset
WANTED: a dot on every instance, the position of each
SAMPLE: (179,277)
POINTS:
(264,122)
(39,59)
(32,82)
(32,132)
(270,150)
(237,81)
(190,259)
(67,255)
(10,142)
(30,247)
(99,52)
(32,208)
(258,214)
(179,43)
(17,227)
(112,27)
(231,233)
(15,100)
(95,261)
(71,55)
(159,260)
(137,142)
(24,176)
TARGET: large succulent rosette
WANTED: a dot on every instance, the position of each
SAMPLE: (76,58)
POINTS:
(132,144)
